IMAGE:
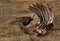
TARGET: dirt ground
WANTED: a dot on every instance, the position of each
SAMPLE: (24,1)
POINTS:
(10,9)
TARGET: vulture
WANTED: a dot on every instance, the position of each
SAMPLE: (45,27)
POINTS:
(45,14)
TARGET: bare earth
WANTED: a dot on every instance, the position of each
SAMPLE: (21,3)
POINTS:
(10,9)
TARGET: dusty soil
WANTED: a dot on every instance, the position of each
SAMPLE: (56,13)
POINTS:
(10,9)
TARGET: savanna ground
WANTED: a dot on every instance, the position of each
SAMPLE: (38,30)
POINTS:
(10,9)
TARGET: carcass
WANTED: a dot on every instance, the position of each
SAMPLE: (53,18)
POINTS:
(45,14)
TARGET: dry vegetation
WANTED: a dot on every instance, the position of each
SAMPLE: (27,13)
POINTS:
(10,9)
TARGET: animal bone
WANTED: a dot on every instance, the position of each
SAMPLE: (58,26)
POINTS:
(45,14)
